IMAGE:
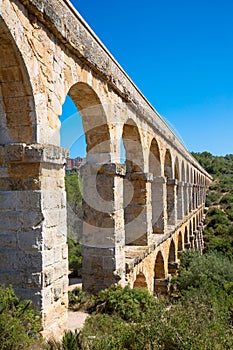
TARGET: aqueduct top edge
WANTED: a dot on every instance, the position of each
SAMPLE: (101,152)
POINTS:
(68,25)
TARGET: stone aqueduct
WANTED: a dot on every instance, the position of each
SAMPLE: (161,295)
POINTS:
(138,216)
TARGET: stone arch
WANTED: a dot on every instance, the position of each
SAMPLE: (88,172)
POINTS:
(94,121)
(198,218)
(160,283)
(189,188)
(179,190)
(180,242)
(172,265)
(177,170)
(156,188)
(192,186)
(96,130)
(170,189)
(17,110)
(172,252)
(21,177)
(190,228)
(194,177)
(203,180)
(191,175)
(159,270)
(187,174)
(155,159)
(133,147)
(185,188)
(195,191)
(194,224)
(140,281)
(183,175)
(186,238)
(168,165)
(98,188)
(191,234)
(134,187)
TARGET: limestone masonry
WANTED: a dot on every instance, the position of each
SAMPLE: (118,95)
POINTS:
(138,216)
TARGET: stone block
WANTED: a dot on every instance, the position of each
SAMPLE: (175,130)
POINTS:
(28,200)
(48,276)
(30,241)
(8,200)
(10,221)
(29,262)
(8,240)
(32,220)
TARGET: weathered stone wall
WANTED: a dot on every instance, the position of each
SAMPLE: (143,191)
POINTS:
(33,249)
(142,262)
(48,51)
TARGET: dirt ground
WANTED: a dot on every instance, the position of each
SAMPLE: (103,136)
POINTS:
(76,320)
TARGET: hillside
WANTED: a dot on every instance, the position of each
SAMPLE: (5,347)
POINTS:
(218,233)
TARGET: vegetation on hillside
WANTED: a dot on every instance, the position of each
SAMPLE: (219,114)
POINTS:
(218,231)
(73,184)
(19,323)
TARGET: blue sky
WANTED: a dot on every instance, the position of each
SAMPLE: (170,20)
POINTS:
(180,55)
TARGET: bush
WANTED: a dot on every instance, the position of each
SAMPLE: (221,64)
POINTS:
(74,257)
(77,299)
(129,304)
(212,198)
(70,341)
(227,199)
(191,324)
(201,271)
(19,323)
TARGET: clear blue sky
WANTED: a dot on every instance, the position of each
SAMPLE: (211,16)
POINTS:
(180,55)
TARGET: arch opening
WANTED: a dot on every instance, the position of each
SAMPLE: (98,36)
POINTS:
(172,265)
(92,140)
(179,191)
(186,238)
(180,242)
(17,110)
(20,179)
(156,188)
(140,281)
(134,187)
(160,282)
(159,271)
(170,189)
(185,189)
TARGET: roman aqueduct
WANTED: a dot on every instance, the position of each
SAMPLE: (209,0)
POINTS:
(138,215)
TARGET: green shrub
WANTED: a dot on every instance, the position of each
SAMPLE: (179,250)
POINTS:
(212,198)
(129,304)
(74,257)
(70,341)
(77,299)
(227,199)
(201,271)
(218,243)
(19,323)
(190,324)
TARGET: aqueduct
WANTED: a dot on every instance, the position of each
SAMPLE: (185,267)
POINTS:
(138,216)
